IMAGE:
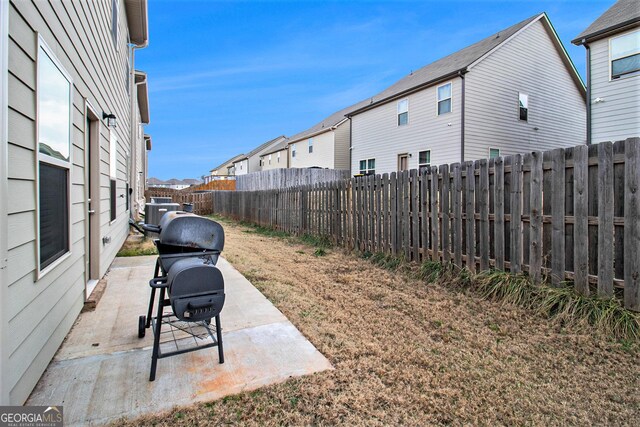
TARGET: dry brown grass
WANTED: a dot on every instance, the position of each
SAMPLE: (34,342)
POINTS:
(408,353)
(137,245)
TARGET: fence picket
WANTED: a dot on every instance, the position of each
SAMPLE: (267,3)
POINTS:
(557,215)
(632,225)
(605,219)
(581,225)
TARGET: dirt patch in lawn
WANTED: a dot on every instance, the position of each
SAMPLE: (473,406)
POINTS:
(137,245)
(409,353)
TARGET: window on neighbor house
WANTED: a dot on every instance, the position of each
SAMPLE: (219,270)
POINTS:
(269,158)
(113,173)
(278,157)
(444,99)
(625,54)
(494,152)
(310,145)
(523,102)
(403,112)
(115,27)
(368,166)
(54,158)
(424,159)
(293,150)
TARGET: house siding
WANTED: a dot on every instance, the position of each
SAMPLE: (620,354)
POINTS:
(376,134)
(342,140)
(39,311)
(242,167)
(618,116)
(323,152)
(528,63)
(282,164)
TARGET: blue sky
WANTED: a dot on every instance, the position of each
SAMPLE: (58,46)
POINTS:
(226,76)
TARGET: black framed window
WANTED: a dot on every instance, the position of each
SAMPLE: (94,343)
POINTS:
(113,169)
(54,213)
(523,103)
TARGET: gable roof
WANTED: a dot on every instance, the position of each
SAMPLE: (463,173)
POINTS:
(623,14)
(279,147)
(261,148)
(327,123)
(457,63)
(228,162)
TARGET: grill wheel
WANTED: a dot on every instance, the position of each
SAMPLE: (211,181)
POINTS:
(142,323)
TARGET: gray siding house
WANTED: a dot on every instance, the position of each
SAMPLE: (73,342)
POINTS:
(613,73)
(325,144)
(512,92)
(251,162)
(69,127)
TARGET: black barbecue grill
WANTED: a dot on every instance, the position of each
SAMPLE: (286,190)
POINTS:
(188,249)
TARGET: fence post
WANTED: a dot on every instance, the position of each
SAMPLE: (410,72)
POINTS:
(632,225)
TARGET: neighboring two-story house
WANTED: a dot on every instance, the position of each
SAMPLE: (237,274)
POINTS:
(277,157)
(613,73)
(325,144)
(224,170)
(512,92)
(70,115)
(251,162)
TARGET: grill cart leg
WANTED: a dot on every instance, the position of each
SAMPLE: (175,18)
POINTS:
(219,338)
(156,336)
(156,274)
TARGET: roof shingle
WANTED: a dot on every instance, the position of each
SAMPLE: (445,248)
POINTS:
(621,14)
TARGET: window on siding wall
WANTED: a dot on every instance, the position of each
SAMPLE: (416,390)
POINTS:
(444,99)
(494,152)
(113,170)
(424,159)
(625,54)
(278,157)
(403,112)
(310,143)
(115,27)
(523,102)
(368,166)
(293,150)
(269,158)
(54,158)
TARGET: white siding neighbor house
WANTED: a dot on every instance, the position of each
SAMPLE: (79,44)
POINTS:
(251,162)
(512,92)
(224,170)
(277,157)
(69,128)
(325,144)
(613,73)
(141,144)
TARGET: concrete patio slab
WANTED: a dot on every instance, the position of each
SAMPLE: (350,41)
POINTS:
(101,371)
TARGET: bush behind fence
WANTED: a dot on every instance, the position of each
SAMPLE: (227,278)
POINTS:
(566,214)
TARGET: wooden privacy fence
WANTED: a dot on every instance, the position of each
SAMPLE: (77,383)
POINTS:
(285,178)
(567,214)
(202,202)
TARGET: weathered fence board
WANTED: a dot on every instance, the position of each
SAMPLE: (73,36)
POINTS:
(562,215)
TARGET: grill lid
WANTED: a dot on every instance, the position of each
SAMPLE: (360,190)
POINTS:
(190,230)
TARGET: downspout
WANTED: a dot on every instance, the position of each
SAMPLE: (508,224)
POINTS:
(588,92)
(4,193)
(461,75)
(350,146)
(133,125)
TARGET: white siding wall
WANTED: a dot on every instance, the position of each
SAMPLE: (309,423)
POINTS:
(376,134)
(618,116)
(342,137)
(41,311)
(275,164)
(323,152)
(242,167)
(528,63)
